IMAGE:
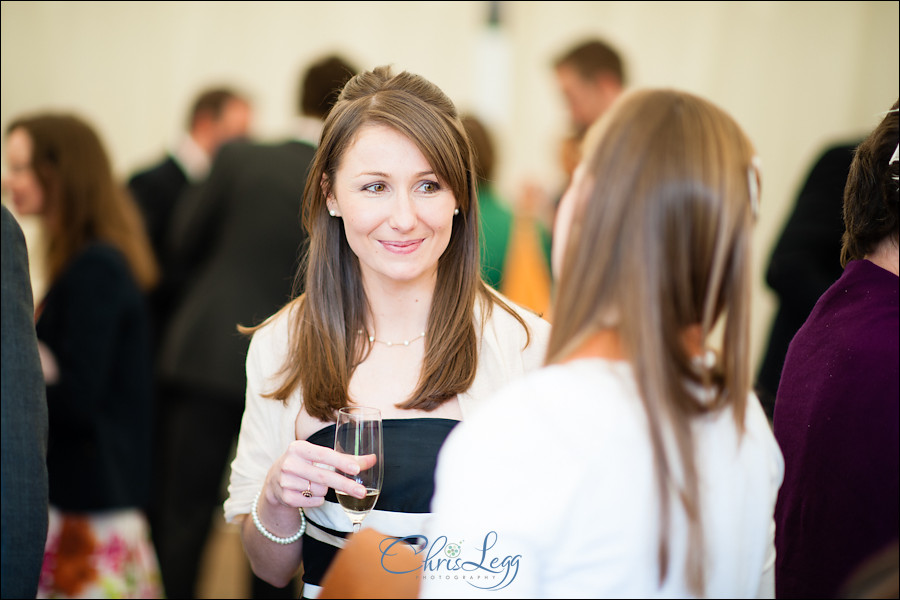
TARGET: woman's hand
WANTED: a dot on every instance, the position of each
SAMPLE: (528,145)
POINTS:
(303,474)
(48,364)
(298,479)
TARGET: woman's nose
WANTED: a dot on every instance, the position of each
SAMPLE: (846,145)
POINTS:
(403,212)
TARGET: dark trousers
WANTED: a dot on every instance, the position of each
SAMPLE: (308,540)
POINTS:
(197,431)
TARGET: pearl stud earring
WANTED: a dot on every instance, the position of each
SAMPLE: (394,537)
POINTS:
(455,211)
(332,213)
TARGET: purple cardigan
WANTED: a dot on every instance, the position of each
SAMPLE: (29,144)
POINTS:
(836,420)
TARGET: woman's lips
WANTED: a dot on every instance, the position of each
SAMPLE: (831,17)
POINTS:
(406,247)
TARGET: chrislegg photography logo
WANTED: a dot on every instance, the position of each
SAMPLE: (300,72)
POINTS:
(478,564)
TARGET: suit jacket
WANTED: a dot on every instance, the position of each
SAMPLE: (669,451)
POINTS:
(156,191)
(24,423)
(806,260)
(94,320)
(242,228)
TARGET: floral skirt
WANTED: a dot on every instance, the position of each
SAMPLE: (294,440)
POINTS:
(99,555)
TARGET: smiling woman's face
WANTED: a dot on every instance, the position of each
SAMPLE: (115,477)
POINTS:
(397,214)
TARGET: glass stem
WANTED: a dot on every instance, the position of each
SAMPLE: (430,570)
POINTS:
(356,527)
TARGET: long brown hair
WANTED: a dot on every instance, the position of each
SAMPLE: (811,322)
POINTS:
(661,242)
(325,343)
(83,201)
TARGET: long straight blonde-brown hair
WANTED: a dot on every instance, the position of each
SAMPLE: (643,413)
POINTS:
(84,202)
(325,344)
(660,242)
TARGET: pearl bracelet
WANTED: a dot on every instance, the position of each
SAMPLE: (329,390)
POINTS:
(268,534)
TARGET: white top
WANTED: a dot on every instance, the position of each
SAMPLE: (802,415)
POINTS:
(559,467)
(268,426)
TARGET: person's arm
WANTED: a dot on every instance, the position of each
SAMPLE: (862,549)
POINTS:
(767,579)
(279,470)
(24,410)
(82,333)
(759,426)
(281,498)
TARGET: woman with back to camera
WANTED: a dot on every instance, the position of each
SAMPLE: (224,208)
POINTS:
(836,413)
(395,315)
(92,328)
(655,472)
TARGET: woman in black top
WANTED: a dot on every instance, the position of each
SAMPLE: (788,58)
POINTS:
(94,344)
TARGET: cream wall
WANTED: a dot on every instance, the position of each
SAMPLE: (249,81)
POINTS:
(796,75)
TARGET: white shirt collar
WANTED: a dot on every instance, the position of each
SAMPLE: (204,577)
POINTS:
(308,130)
(192,159)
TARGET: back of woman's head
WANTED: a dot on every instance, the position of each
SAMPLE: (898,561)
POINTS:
(660,238)
(659,243)
(871,196)
(83,201)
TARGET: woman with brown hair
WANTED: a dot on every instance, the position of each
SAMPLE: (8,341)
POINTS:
(652,470)
(395,315)
(836,414)
(94,344)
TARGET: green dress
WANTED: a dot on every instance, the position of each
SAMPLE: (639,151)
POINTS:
(497,221)
(496,226)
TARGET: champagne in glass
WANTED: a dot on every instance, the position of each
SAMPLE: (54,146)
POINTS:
(358,433)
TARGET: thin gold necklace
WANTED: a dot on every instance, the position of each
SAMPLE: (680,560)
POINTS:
(389,344)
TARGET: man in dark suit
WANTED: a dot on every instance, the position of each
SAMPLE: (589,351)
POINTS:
(242,229)
(217,115)
(25,426)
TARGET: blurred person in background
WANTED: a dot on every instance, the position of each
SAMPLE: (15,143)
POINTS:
(590,75)
(515,254)
(217,115)
(94,345)
(24,420)
(495,213)
(240,231)
(836,412)
(806,259)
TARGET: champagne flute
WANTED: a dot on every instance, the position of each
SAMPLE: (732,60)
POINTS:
(358,433)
